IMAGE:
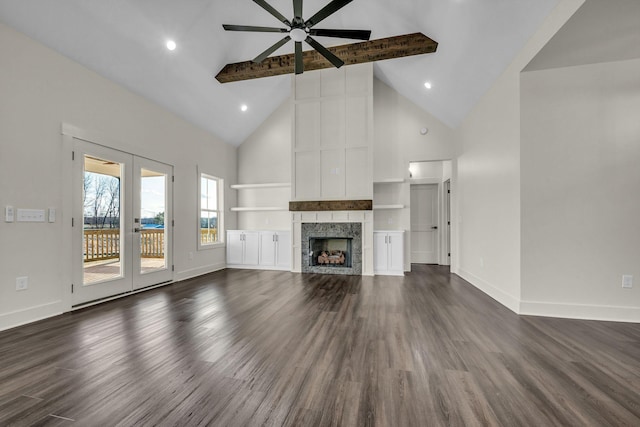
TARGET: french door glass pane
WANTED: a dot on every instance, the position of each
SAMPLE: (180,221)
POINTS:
(153,196)
(101,219)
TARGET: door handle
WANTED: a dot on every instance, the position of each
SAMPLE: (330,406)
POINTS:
(435,227)
(136,230)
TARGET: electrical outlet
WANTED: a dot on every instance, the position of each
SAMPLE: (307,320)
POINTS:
(22,283)
(627,281)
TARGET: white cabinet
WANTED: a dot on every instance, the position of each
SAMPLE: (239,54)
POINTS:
(269,250)
(388,253)
(242,247)
(275,249)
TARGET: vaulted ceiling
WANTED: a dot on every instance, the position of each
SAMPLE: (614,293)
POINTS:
(124,40)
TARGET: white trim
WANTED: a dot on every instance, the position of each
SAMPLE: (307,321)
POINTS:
(388,207)
(503,298)
(581,311)
(258,209)
(268,185)
(197,272)
(25,316)
(258,267)
(389,181)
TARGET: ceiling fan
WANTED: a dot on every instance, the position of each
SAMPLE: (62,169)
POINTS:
(300,30)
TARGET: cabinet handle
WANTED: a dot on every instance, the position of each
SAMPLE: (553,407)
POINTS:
(389,239)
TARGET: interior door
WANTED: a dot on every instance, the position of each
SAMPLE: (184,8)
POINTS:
(424,224)
(117,197)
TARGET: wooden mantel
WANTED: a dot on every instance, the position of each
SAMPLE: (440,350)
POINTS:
(355,53)
(331,205)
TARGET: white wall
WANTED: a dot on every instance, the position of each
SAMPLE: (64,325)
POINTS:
(580,182)
(265,157)
(486,250)
(397,138)
(40,90)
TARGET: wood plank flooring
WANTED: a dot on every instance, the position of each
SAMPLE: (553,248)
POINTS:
(253,348)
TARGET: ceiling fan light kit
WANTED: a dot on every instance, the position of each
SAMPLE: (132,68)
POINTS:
(300,30)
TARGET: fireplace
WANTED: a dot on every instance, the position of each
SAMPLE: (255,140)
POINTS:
(332,248)
(330,252)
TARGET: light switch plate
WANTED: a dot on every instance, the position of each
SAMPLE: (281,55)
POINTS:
(52,215)
(31,215)
(9,214)
(627,281)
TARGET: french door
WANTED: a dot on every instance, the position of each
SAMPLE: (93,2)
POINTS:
(122,215)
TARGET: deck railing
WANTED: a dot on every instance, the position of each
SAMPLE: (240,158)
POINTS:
(100,245)
(152,243)
(208,235)
(104,244)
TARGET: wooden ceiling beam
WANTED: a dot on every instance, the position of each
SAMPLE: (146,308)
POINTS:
(355,53)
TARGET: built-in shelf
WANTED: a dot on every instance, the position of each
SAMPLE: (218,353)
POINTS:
(390,181)
(268,185)
(375,207)
(258,209)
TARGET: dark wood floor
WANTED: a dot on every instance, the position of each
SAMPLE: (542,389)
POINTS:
(247,348)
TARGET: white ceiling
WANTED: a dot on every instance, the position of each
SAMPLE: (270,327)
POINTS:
(124,40)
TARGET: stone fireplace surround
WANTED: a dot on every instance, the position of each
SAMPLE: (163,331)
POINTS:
(362,217)
(348,230)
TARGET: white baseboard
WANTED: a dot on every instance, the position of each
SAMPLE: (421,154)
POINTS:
(503,298)
(559,310)
(581,311)
(195,272)
(29,315)
(258,267)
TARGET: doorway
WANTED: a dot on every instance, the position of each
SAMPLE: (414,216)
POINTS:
(122,217)
(424,224)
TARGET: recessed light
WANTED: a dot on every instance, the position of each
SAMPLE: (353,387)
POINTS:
(427,85)
(244,108)
(171,45)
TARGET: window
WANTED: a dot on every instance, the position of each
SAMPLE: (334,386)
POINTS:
(210,210)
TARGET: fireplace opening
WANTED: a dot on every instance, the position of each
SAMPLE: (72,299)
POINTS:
(330,252)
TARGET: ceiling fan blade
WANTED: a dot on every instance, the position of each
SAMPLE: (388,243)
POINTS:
(297,9)
(299,65)
(266,6)
(258,59)
(329,9)
(254,29)
(343,34)
(337,62)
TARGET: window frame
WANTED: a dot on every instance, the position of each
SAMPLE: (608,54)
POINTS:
(219,211)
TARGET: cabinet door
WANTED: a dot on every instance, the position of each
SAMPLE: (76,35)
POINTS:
(234,247)
(379,251)
(251,248)
(267,248)
(283,249)
(395,246)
